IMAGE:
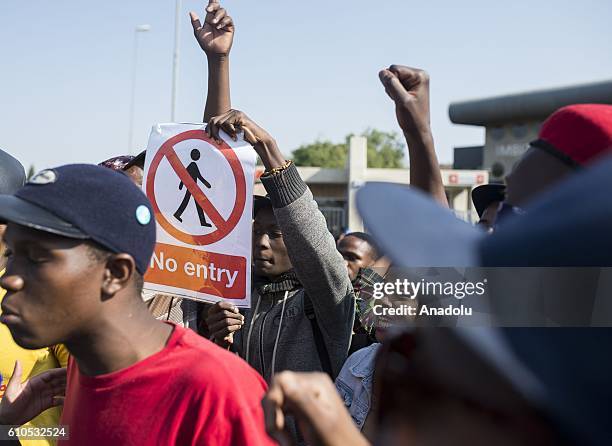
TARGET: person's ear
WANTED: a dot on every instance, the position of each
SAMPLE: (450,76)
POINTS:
(118,273)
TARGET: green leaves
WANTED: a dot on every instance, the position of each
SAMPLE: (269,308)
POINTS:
(385,149)
(321,154)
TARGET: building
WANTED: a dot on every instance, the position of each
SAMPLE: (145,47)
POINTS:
(512,121)
(335,189)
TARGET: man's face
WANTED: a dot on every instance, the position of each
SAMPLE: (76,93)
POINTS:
(53,287)
(270,258)
(357,254)
(535,172)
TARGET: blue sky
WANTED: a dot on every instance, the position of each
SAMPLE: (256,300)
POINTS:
(303,70)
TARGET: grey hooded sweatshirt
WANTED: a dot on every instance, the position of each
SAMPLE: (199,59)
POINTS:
(277,335)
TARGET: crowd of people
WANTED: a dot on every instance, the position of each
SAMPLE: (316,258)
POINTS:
(83,345)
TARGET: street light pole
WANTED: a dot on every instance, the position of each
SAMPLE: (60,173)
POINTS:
(139,29)
(175,62)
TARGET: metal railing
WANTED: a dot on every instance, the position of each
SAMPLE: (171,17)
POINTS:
(335,217)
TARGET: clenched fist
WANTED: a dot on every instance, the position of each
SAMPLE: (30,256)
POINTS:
(313,400)
(409,89)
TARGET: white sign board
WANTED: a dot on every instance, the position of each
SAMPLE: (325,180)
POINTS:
(201,192)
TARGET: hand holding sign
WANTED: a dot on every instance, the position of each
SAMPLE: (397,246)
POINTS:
(235,121)
(217,34)
(223,320)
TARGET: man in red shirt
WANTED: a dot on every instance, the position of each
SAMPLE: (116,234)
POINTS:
(74,276)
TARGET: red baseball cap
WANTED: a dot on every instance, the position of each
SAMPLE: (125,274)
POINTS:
(577,133)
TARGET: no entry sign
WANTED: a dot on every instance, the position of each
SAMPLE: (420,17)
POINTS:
(199,188)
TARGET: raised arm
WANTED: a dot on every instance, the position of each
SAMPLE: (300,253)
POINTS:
(215,38)
(311,247)
(409,89)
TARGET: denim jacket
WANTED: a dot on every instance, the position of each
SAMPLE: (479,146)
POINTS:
(354,383)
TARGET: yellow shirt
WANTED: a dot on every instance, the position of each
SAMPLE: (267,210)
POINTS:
(33,362)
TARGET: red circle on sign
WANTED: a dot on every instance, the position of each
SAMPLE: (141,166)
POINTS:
(167,151)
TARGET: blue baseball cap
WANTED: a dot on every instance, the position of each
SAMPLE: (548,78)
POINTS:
(86,202)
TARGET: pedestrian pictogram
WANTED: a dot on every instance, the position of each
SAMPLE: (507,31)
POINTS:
(198,189)
(194,173)
(223,226)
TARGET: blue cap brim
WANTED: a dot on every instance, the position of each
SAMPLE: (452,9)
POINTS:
(18,211)
(414,231)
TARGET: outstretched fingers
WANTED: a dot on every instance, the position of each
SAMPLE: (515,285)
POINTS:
(195,21)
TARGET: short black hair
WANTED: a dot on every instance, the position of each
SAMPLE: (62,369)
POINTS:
(369,240)
(260,202)
(100,254)
(97,253)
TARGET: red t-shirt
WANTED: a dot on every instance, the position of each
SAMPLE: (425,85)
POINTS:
(190,393)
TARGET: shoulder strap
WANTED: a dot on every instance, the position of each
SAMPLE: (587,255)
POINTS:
(318,337)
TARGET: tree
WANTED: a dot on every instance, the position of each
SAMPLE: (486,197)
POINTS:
(321,154)
(384,150)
